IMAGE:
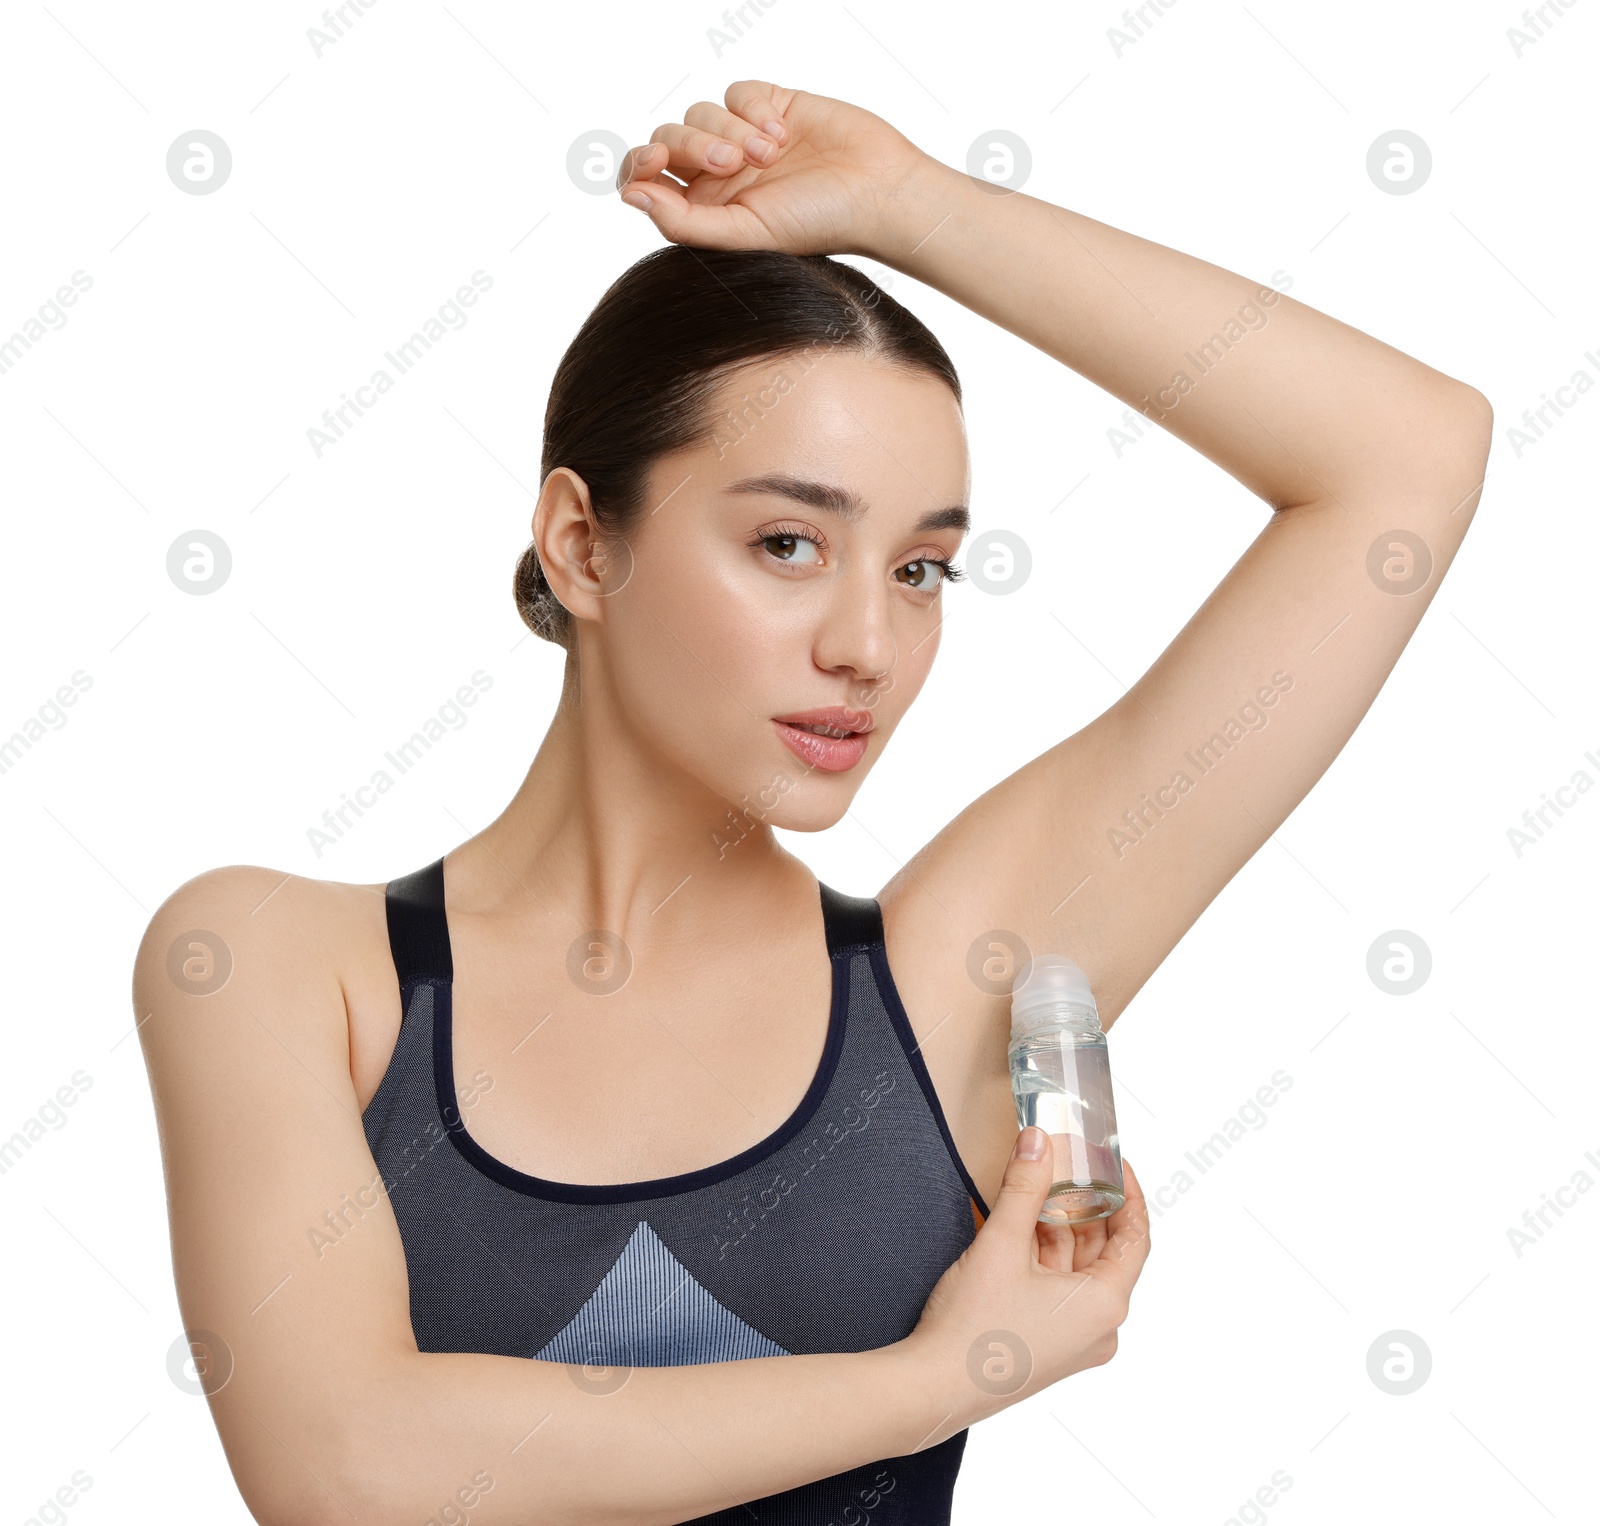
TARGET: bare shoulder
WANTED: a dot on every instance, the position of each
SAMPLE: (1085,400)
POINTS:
(239,993)
(266,910)
(276,936)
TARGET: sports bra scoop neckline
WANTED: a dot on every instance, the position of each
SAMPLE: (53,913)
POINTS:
(418,922)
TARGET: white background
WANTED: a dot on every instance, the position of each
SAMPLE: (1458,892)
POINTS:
(430,142)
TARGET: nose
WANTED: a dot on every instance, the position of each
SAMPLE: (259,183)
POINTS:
(856,636)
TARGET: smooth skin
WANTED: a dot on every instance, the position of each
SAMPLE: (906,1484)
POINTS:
(737,600)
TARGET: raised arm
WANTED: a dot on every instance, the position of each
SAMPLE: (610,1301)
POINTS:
(1112,843)
(1303,409)
(326,1409)
(1119,837)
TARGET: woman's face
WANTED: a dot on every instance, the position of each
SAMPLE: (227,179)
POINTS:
(789,565)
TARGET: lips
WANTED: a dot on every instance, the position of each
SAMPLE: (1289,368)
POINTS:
(834,720)
(833,738)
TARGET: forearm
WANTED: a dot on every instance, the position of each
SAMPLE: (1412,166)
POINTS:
(1297,405)
(531,1440)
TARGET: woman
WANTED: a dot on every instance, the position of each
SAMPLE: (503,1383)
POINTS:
(619,1170)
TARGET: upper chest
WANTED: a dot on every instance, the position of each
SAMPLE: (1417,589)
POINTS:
(576,1077)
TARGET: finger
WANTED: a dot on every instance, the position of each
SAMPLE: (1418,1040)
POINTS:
(1070,1247)
(1023,1189)
(1074,1247)
(1128,1246)
(1089,1243)
(648,162)
(1092,1248)
(761,104)
(754,146)
(1130,1184)
(1057,1246)
(701,225)
(1133,1200)
(712,150)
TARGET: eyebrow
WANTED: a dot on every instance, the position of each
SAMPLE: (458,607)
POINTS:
(843,502)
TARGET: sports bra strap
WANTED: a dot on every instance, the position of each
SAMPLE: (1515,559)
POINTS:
(419,937)
(854,922)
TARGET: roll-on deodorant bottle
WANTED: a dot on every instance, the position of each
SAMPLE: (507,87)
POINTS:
(1061,1079)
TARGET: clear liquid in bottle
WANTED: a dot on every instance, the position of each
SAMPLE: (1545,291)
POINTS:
(1061,1081)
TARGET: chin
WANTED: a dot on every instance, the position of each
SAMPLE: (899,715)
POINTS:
(814,814)
(786,794)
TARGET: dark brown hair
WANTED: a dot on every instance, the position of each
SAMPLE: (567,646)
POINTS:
(640,378)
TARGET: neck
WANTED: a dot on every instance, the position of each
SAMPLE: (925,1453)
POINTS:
(605,833)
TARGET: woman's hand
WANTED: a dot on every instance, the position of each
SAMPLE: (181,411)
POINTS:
(1027,1304)
(803,173)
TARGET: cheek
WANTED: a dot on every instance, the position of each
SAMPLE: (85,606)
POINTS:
(890,701)
(698,658)
(704,653)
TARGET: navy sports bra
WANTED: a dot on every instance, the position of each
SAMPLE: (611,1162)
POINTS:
(827,1235)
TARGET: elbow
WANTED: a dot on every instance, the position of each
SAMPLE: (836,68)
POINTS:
(1476,436)
(365,1480)
(307,1514)
(330,1498)
(376,1467)
(1477,418)
(1460,418)
(330,1484)
(1451,464)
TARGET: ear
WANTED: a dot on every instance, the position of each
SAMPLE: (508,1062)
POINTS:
(570,548)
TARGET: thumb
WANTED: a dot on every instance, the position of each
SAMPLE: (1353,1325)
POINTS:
(704,225)
(1025,1185)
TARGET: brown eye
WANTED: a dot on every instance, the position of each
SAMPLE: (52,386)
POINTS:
(785,547)
(922,573)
